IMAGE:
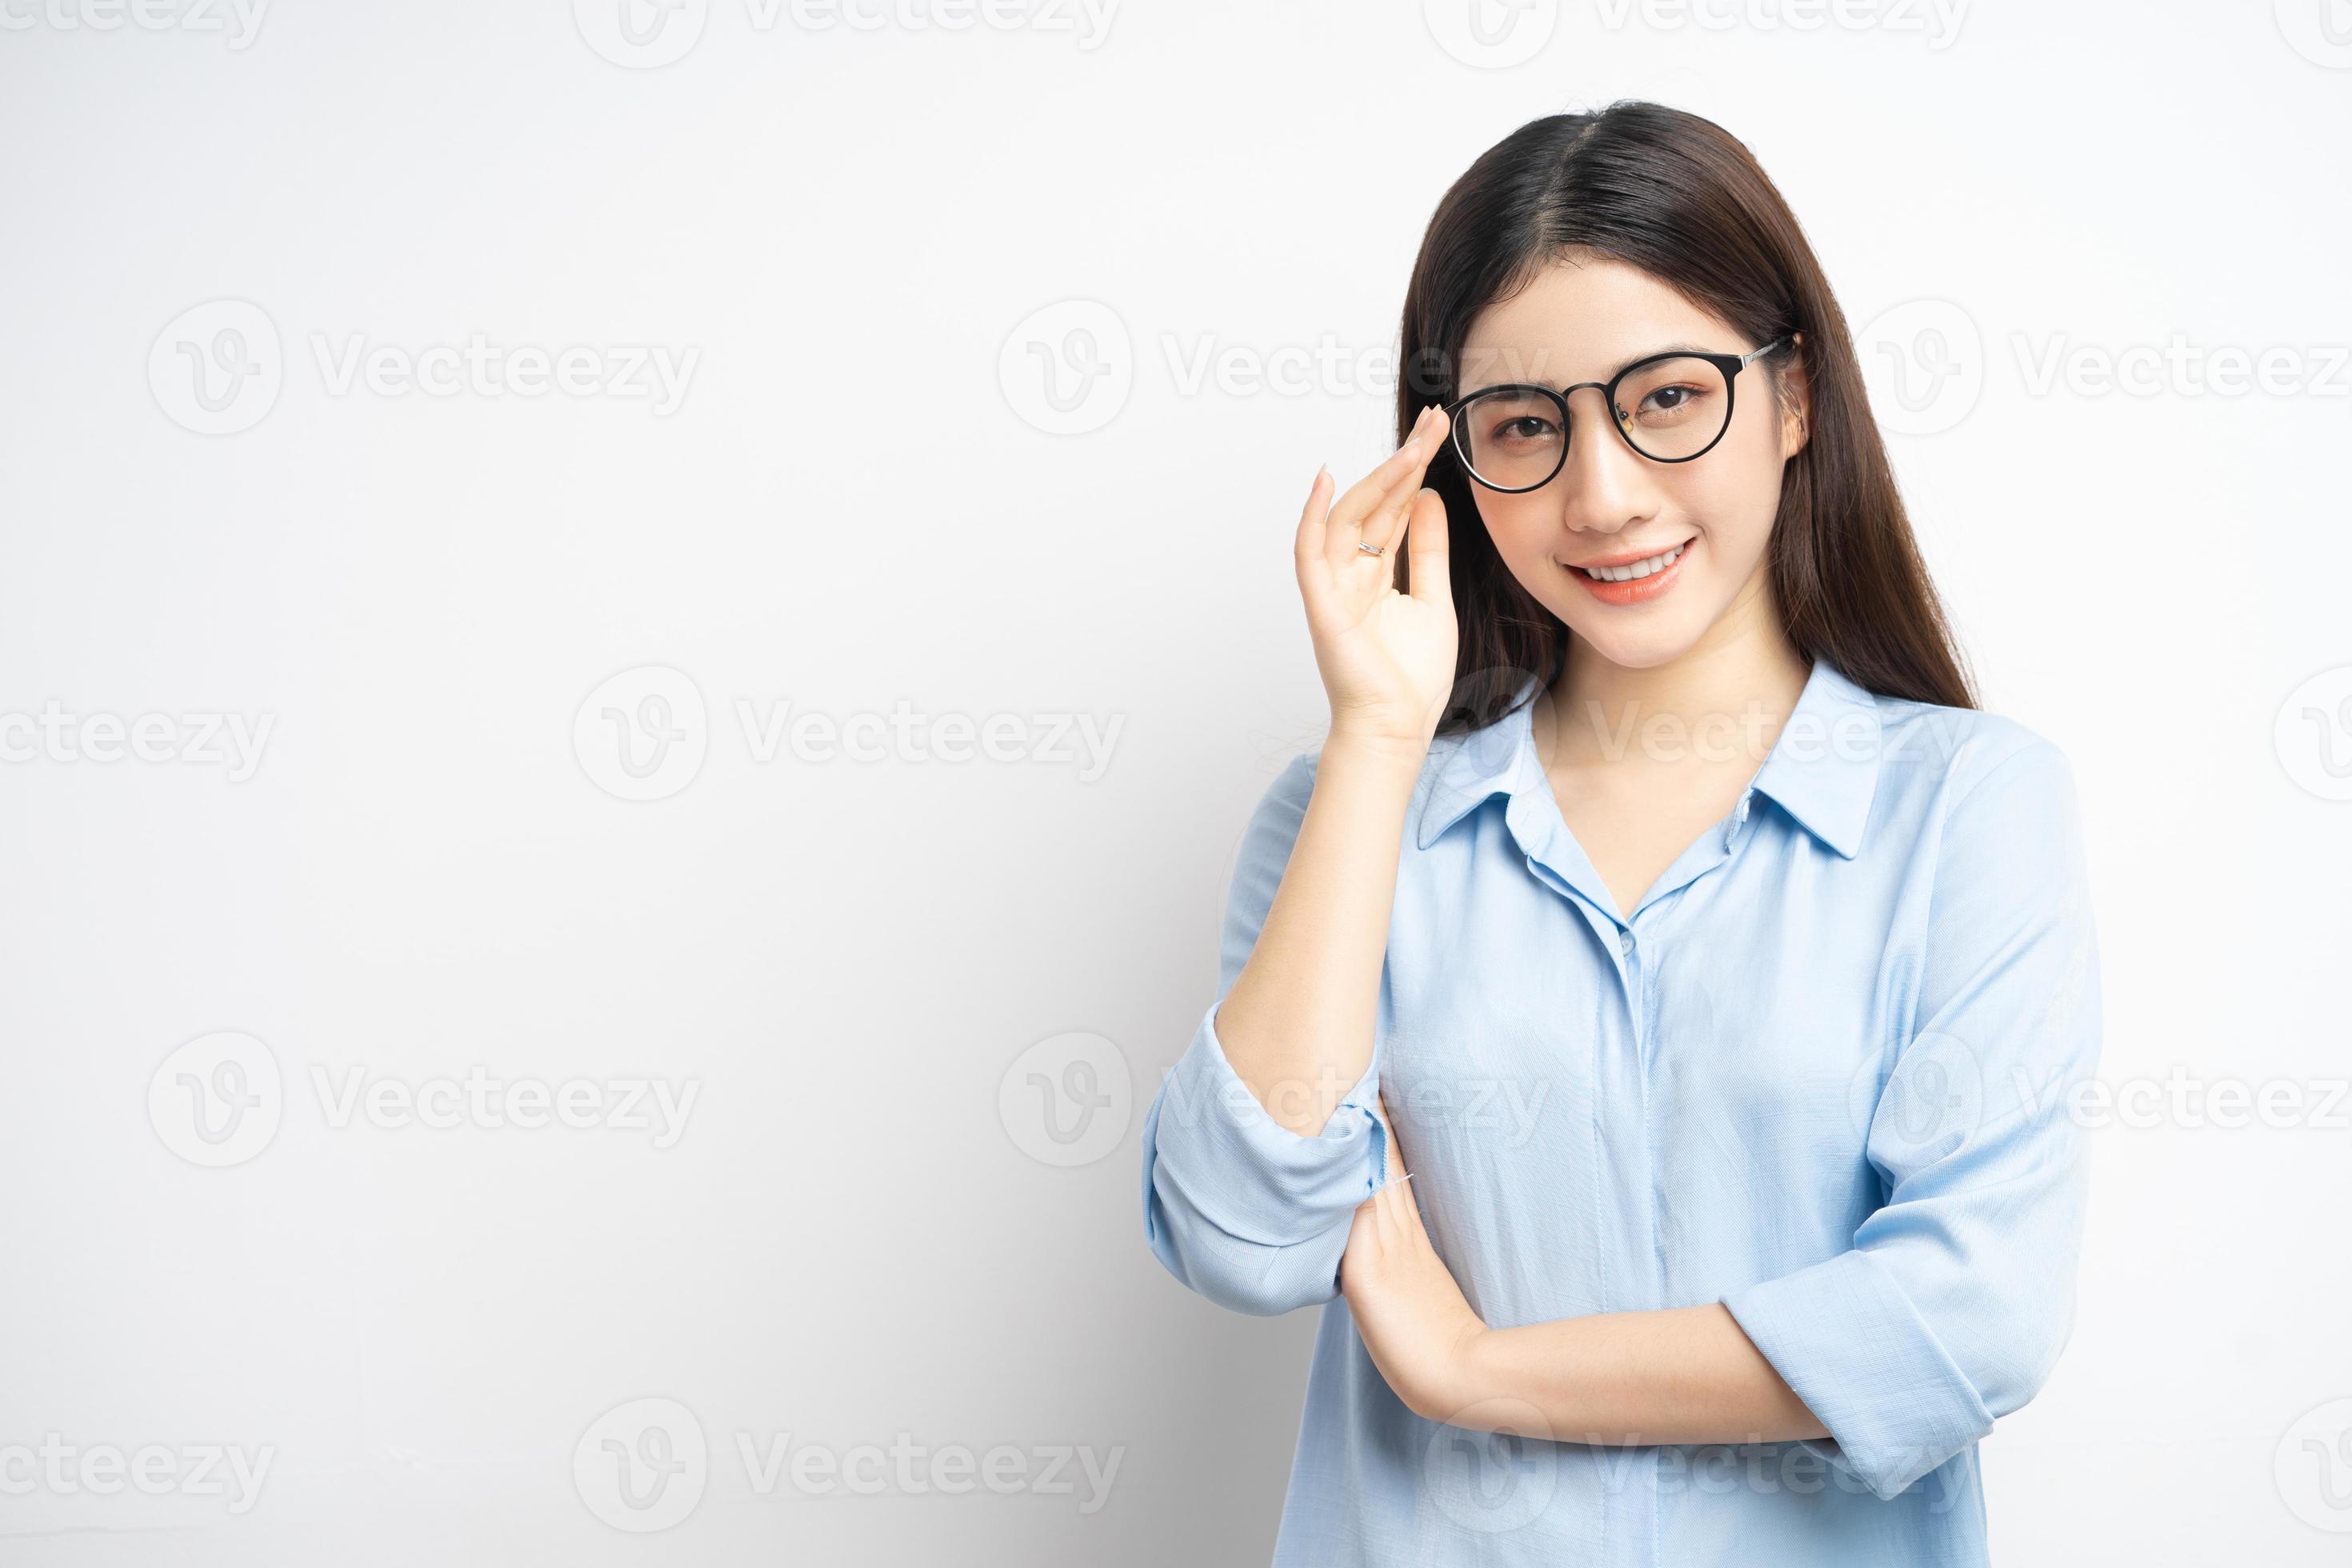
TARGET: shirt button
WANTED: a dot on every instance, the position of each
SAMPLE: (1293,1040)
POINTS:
(1625,942)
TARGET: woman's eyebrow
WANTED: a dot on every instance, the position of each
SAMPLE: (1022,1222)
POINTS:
(1630,359)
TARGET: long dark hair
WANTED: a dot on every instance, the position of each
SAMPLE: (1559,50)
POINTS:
(1681,199)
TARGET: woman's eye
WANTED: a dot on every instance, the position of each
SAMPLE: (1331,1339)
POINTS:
(1670,400)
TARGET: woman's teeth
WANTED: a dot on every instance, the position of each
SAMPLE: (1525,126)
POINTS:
(1639,568)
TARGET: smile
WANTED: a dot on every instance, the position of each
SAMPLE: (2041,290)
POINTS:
(1642,568)
(1634,581)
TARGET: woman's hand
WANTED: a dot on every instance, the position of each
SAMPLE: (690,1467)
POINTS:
(1412,1316)
(1387,658)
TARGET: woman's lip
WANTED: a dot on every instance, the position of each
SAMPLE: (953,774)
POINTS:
(1630,556)
(1639,590)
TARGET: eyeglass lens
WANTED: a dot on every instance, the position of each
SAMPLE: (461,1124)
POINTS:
(1515,438)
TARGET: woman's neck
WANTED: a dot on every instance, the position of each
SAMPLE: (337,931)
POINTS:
(1741,680)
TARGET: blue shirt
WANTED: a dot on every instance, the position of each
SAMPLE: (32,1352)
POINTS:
(1819,1074)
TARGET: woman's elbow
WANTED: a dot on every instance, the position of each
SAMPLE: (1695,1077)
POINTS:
(2021,1351)
(1261,1280)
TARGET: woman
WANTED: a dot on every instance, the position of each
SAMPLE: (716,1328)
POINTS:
(1660,904)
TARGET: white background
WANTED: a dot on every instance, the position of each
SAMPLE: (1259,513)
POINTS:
(863,1229)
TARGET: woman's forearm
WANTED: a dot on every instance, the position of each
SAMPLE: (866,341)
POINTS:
(1687,1375)
(1298,1024)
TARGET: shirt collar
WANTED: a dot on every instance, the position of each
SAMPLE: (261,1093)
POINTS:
(1822,768)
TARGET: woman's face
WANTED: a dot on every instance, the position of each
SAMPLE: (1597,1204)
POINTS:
(1609,506)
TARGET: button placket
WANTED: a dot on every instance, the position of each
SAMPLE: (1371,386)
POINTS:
(1628,954)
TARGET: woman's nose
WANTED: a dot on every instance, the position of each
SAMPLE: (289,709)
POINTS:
(1601,485)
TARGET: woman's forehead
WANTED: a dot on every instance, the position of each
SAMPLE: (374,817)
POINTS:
(1580,321)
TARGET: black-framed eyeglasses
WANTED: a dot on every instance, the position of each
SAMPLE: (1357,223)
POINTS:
(1670,409)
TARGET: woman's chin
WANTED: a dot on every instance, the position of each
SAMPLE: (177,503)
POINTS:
(1643,647)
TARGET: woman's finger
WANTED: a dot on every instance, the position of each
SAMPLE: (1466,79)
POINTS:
(1358,500)
(1392,1200)
(1307,548)
(1387,523)
(1386,486)
(1358,1263)
(1430,574)
(1398,475)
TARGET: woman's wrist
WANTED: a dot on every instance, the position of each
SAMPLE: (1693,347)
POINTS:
(1375,752)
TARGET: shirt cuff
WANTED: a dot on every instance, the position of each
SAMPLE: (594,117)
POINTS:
(1237,1205)
(1253,1176)
(1843,1335)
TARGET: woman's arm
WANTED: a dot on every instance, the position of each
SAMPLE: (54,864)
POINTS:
(1299,1025)
(1688,1374)
(1253,1162)
(1261,1143)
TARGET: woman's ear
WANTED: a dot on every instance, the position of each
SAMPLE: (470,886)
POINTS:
(1796,401)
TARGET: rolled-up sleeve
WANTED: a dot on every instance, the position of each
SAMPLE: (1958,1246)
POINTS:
(1238,1206)
(1951,1306)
